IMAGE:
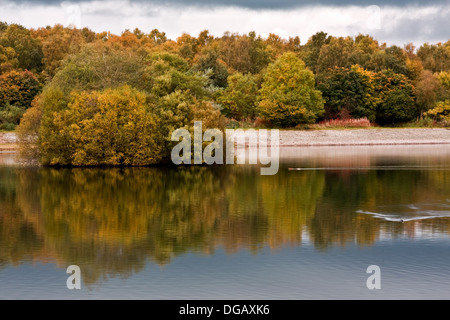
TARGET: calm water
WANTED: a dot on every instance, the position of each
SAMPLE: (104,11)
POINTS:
(230,233)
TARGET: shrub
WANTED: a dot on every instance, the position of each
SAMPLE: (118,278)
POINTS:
(345,123)
(441,111)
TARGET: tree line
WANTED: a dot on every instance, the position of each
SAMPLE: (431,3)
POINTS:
(88,98)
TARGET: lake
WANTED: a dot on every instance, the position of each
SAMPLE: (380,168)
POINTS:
(227,232)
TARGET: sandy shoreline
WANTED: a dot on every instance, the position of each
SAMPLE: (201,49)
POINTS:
(354,137)
(8,141)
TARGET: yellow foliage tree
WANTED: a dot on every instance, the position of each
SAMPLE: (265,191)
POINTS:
(113,127)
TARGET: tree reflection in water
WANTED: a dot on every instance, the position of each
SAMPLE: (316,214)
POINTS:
(111,221)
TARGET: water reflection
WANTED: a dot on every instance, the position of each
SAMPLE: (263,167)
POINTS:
(111,221)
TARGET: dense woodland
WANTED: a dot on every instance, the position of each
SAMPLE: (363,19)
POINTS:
(87,98)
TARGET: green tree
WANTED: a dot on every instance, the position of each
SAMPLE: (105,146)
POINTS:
(288,96)
(396,98)
(240,97)
(179,110)
(348,92)
(311,50)
(364,47)
(393,58)
(259,55)
(208,61)
(337,53)
(166,73)
(98,66)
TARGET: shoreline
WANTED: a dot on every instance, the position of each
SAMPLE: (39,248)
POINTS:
(327,137)
(8,142)
(365,137)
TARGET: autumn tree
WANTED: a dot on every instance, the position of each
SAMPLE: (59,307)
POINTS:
(127,39)
(18,88)
(435,57)
(234,49)
(57,43)
(28,49)
(444,79)
(204,38)
(3,26)
(108,128)
(288,96)
(8,59)
(17,91)
(293,44)
(276,45)
(413,63)
(157,37)
(426,91)
(188,46)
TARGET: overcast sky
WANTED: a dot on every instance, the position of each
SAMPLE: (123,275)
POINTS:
(391,21)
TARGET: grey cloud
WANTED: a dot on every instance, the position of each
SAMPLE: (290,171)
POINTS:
(259,4)
(432,28)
